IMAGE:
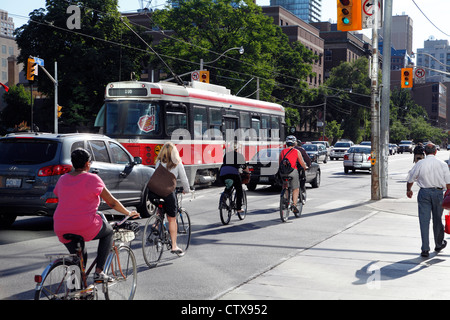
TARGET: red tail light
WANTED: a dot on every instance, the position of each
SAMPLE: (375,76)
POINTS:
(38,278)
(57,170)
(346,157)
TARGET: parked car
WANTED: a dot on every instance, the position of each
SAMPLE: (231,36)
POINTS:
(365,143)
(339,149)
(316,152)
(325,143)
(357,158)
(264,168)
(31,164)
(406,146)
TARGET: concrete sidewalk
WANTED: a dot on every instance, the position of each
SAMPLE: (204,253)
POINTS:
(377,257)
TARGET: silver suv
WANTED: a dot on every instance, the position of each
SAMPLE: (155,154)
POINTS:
(31,164)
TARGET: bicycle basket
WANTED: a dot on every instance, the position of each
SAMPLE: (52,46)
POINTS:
(127,231)
(124,235)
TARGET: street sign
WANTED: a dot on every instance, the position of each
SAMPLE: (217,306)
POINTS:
(39,61)
(195,76)
(367,13)
(419,75)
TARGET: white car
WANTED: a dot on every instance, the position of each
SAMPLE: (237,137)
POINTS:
(339,149)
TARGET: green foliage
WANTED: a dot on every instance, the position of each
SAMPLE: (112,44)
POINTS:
(18,101)
(87,58)
(333,131)
(204,29)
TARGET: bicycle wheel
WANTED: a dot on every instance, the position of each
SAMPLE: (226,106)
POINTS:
(58,280)
(183,230)
(152,240)
(121,266)
(242,215)
(284,204)
(299,204)
(225,208)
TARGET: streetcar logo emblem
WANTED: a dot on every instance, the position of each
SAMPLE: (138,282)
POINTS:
(147,123)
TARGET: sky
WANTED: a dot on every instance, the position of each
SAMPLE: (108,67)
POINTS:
(436,10)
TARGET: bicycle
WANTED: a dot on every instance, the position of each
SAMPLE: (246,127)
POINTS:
(65,277)
(285,200)
(227,203)
(156,233)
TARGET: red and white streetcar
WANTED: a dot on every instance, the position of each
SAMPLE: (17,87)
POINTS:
(200,118)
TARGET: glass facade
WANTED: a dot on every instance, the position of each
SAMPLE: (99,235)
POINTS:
(307,10)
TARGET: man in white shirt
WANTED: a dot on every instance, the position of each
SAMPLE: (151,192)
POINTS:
(432,176)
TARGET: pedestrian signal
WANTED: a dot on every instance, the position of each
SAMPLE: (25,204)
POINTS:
(407,78)
(349,15)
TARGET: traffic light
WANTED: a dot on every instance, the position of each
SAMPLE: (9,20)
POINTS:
(349,15)
(407,78)
(204,76)
(59,111)
(32,68)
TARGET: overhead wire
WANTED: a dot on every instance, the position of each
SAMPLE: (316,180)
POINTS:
(46,23)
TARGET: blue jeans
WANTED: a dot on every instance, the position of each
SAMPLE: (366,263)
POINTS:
(430,207)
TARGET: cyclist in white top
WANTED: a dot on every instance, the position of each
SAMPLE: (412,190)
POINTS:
(170,159)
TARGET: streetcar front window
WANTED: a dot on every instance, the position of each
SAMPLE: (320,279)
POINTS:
(133,118)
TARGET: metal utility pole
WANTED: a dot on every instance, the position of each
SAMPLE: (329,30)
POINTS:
(375,110)
(55,82)
(385,98)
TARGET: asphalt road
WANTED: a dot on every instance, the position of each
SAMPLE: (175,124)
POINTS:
(220,257)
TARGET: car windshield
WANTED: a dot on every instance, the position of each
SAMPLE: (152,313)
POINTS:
(342,145)
(359,150)
(267,155)
(27,151)
(310,147)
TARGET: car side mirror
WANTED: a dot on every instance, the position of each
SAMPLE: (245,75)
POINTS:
(137,160)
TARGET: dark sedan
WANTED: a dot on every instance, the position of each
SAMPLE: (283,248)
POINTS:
(264,168)
(317,152)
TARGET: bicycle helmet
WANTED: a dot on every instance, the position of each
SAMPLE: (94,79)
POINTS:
(291,140)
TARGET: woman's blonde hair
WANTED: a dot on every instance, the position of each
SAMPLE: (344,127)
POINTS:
(169,155)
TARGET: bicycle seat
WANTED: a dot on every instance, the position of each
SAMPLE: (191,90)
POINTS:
(73,237)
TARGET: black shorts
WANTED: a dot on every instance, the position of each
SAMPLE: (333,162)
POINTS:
(170,203)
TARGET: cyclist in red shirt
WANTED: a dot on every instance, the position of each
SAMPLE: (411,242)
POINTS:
(293,155)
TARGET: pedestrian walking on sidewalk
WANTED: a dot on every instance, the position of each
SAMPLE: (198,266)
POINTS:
(432,176)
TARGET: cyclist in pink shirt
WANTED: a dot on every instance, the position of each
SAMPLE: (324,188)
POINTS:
(79,194)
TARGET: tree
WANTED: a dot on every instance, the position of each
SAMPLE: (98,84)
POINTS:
(350,103)
(204,29)
(87,58)
(333,131)
(18,107)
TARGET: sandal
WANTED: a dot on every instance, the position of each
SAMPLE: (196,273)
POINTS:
(179,252)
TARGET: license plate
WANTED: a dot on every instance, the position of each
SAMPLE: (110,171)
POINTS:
(264,179)
(13,183)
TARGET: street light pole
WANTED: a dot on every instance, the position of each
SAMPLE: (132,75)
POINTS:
(241,51)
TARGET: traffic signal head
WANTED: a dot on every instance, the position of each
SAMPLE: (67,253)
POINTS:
(32,68)
(349,15)
(407,78)
(204,76)
(59,111)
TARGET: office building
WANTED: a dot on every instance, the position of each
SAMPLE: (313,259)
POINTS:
(307,10)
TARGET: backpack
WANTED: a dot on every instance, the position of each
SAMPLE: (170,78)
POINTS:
(285,167)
